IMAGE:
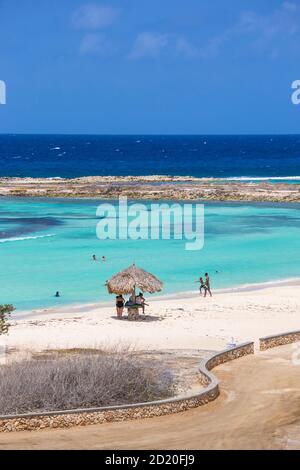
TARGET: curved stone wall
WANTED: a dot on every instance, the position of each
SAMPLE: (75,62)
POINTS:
(65,419)
(278,340)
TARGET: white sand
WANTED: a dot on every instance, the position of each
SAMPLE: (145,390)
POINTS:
(184,322)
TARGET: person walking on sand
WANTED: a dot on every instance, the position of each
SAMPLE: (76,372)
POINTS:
(207,284)
(202,285)
(120,301)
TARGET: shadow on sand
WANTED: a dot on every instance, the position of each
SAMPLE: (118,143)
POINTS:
(141,318)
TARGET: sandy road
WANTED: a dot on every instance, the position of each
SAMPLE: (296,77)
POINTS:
(259,408)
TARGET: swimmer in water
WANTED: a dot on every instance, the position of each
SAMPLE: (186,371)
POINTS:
(57,294)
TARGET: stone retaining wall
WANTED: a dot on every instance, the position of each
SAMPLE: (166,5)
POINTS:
(66,419)
(278,340)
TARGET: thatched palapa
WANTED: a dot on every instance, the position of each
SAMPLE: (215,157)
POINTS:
(125,282)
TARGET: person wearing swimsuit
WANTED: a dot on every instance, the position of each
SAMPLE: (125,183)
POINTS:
(140,299)
(120,301)
(202,285)
(207,283)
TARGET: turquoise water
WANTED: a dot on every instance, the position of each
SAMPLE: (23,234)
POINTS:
(46,245)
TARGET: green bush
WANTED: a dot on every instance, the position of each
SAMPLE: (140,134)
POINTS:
(5,311)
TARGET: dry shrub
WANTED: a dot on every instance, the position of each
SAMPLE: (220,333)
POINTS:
(81,380)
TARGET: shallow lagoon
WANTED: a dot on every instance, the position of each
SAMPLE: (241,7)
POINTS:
(47,245)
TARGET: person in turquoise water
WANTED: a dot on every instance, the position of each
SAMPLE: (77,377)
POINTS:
(57,294)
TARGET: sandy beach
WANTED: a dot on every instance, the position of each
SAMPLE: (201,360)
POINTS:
(186,321)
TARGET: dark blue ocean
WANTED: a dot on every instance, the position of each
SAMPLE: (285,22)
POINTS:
(202,156)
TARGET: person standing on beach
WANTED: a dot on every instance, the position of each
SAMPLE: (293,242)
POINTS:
(202,285)
(207,284)
(120,301)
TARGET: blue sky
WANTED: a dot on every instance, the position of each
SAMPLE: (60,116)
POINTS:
(141,66)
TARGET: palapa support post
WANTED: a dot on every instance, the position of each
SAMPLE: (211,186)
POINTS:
(133,312)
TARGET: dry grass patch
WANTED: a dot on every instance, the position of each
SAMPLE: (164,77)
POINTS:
(80,379)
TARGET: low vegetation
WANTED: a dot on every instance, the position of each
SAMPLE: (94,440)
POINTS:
(5,311)
(59,381)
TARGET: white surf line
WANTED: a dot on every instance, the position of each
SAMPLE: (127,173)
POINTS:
(18,239)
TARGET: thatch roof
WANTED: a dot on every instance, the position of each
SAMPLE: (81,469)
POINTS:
(133,277)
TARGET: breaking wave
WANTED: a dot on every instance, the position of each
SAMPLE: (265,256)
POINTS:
(18,239)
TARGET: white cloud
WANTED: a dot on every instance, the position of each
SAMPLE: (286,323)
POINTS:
(281,21)
(95,43)
(191,51)
(263,33)
(290,6)
(148,44)
(93,16)
(185,47)
(271,34)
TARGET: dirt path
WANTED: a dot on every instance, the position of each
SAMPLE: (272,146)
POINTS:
(259,408)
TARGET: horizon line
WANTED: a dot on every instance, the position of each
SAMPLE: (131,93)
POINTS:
(146,134)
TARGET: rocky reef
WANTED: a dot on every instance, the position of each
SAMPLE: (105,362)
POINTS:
(153,187)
